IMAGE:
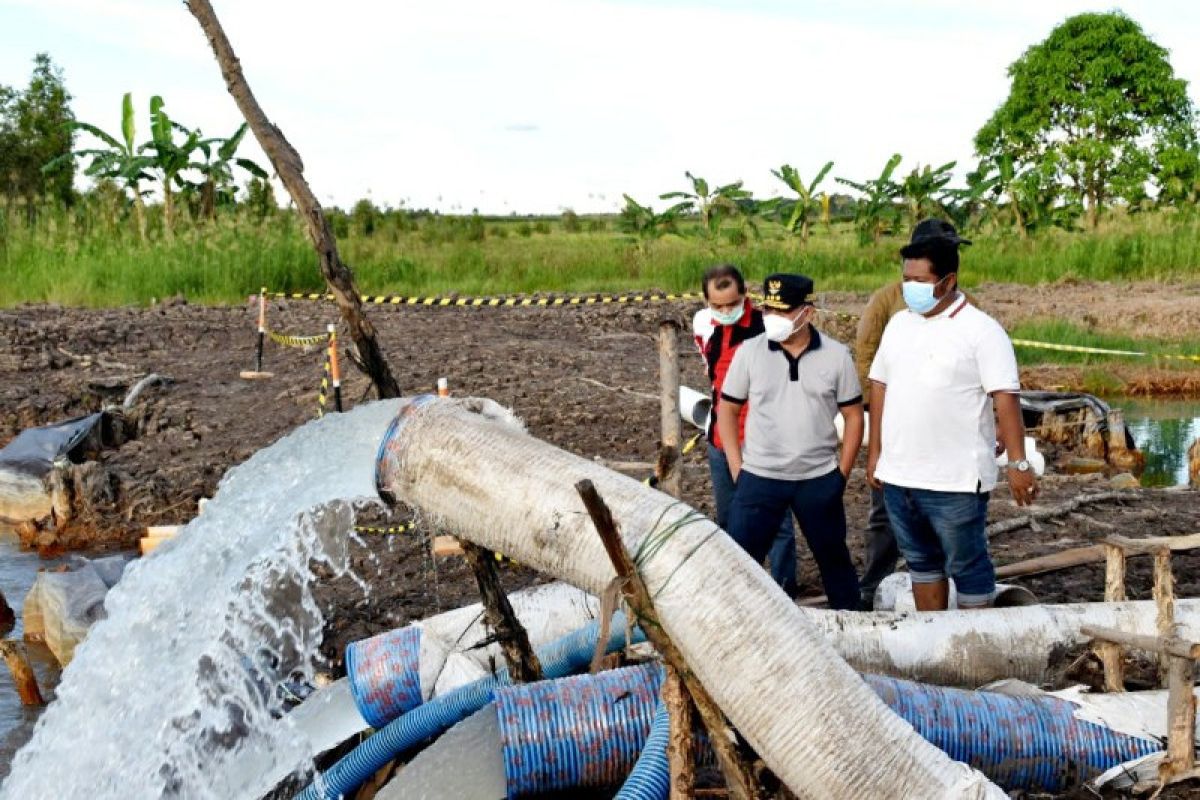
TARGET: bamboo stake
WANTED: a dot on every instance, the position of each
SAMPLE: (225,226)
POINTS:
(1181,713)
(1093,553)
(22,674)
(738,774)
(1114,592)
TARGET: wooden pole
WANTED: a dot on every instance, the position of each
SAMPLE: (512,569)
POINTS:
(1093,553)
(675,696)
(672,426)
(1114,592)
(1181,716)
(523,664)
(22,674)
(739,777)
(1164,599)
(290,170)
(1194,464)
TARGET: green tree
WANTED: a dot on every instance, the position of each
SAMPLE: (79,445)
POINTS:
(713,206)
(647,225)
(1096,98)
(35,132)
(118,160)
(170,157)
(797,213)
(876,212)
(260,198)
(220,157)
(921,189)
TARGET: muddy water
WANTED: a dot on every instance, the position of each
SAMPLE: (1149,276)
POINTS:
(17,572)
(1164,430)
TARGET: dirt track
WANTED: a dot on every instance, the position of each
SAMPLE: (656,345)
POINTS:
(582,378)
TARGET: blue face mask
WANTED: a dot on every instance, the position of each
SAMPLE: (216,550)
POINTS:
(731,317)
(919,296)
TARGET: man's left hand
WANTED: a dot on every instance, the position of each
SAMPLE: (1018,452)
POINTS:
(1023,486)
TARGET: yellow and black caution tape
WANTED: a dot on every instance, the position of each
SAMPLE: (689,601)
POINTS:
(504,301)
(297,341)
(386,530)
(323,392)
(1102,351)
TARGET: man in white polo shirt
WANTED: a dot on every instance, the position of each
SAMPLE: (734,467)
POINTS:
(796,380)
(944,374)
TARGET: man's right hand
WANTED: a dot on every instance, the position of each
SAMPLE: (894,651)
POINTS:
(872,462)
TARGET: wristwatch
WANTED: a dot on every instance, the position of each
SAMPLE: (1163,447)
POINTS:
(1019,466)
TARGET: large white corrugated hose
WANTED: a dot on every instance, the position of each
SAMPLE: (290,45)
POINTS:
(806,712)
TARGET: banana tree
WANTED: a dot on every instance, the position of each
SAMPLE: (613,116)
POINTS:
(118,160)
(170,158)
(970,206)
(713,206)
(797,213)
(220,157)
(876,212)
(647,225)
(920,189)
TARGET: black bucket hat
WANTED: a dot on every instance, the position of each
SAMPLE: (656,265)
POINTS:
(931,232)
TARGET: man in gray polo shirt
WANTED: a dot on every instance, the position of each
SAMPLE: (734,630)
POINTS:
(796,381)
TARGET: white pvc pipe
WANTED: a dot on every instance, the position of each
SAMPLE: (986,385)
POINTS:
(970,648)
(807,713)
(894,593)
(695,407)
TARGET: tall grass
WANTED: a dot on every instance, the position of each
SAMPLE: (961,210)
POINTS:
(76,259)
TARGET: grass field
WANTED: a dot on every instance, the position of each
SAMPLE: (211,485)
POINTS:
(64,259)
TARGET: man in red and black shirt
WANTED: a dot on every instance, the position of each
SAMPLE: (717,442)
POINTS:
(719,329)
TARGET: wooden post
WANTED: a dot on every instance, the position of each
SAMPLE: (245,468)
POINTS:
(523,664)
(1181,716)
(1091,438)
(1194,464)
(290,170)
(672,426)
(739,777)
(675,696)
(1114,592)
(22,674)
(1164,599)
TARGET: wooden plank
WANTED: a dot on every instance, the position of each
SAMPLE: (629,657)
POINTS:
(1092,554)
(446,546)
(1141,641)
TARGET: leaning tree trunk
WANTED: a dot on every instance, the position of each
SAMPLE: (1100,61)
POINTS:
(290,169)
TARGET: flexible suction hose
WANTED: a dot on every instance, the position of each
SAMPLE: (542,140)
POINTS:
(569,654)
(804,710)
(651,775)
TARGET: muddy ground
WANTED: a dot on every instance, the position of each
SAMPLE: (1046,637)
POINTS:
(584,379)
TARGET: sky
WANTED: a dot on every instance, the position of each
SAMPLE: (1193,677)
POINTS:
(534,106)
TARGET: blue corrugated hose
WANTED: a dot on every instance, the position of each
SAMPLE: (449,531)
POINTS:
(1031,743)
(650,778)
(563,656)
(580,732)
(385,674)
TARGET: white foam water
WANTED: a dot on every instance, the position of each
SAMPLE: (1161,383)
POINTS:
(174,694)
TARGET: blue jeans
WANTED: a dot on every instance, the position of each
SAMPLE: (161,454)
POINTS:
(944,533)
(782,555)
(759,504)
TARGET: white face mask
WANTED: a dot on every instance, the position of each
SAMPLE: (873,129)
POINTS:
(780,328)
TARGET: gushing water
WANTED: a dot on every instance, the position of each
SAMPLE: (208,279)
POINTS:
(174,694)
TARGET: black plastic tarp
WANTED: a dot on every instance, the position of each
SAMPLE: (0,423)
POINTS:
(35,450)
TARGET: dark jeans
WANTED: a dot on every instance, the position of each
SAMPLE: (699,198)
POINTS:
(760,503)
(880,552)
(944,534)
(782,555)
